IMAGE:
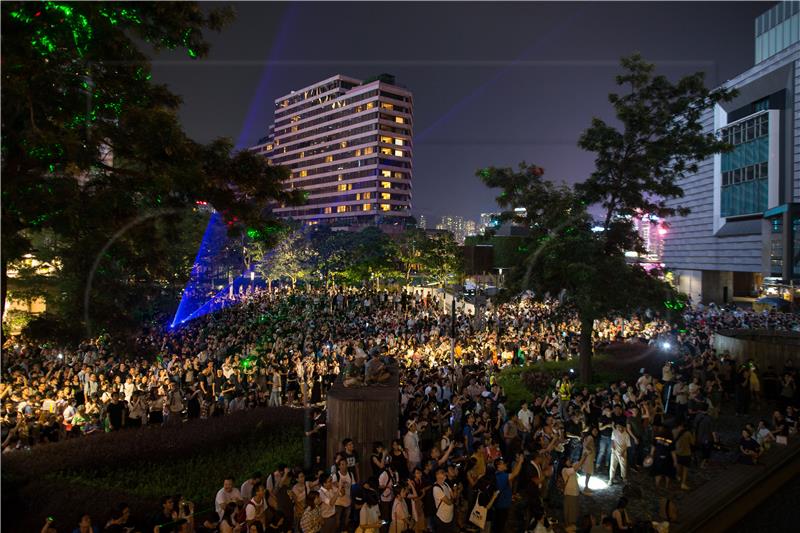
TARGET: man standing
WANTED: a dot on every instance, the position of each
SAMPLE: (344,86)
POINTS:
(604,445)
(504,499)
(444,500)
(564,396)
(620,442)
(175,403)
(275,395)
(525,417)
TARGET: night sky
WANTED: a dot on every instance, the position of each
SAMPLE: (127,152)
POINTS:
(493,83)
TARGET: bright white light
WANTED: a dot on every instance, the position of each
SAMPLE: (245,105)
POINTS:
(595,483)
(61,356)
(598,229)
(666,345)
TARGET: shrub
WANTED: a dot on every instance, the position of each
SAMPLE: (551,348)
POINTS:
(538,379)
(93,474)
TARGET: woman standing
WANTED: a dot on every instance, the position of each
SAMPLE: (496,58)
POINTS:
(590,452)
(155,414)
(401,518)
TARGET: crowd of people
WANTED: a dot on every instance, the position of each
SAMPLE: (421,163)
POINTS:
(465,457)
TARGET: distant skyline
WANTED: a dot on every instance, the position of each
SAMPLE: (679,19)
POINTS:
(493,83)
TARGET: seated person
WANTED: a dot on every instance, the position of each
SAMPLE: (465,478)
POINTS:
(749,450)
(354,373)
(376,371)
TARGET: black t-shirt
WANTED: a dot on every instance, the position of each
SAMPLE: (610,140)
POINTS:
(115,411)
(606,420)
(352,461)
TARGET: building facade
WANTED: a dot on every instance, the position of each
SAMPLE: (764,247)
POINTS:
(348,145)
(744,225)
(458,226)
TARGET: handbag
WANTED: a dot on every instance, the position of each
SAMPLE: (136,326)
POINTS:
(478,514)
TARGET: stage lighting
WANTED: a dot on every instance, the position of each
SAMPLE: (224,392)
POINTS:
(595,483)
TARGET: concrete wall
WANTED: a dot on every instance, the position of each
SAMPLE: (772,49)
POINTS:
(766,348)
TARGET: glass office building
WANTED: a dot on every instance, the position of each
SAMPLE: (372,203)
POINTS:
(745,203)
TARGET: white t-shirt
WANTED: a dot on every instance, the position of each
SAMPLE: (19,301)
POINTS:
(254,510)
(620,441)
(526,417)
(386,482)
(444,511)
(328,497)
(223,498)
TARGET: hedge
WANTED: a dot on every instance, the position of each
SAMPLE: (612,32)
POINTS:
(95,473)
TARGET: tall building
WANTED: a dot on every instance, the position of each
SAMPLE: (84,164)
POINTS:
(744,224)
(652,233)
(455,225)
(348,144)
(422,222)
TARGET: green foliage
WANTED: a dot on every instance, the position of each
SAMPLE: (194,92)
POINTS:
(442,259)
(93,151)
(523,383)
(637,172)
(197,477)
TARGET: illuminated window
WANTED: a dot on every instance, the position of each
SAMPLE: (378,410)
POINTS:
(328,158)
(398,142)
(269,147)
(386,207)
(294,129)
(366,207)
(368,150)
(370,105)
(343,144)
(328,210)
(340,177)
(358,196)
(386,185)
(295,118)
(303,173)
(398,175)
(342,187)
(342,208)
(386,196)
(366,195)
(357,152)
(398,153)
(302,155)
(386,151)
(285,103)
(359,109)
(387,105)
(386,174)
(387,140)
(400,120)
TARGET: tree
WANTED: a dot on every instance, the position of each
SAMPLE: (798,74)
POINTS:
(638,169)
(93,151)
(291,258)
(408,250)
(441,259)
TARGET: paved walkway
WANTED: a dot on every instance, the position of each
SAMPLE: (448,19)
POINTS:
(711,487)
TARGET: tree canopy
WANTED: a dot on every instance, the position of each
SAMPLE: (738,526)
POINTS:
(94,154)
(638,168)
